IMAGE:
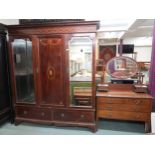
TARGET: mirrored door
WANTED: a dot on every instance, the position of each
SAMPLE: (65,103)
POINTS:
(23,70)
(80,71)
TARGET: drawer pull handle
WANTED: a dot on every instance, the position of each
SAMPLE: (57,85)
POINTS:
(42,114)
(137,116)
(25,112)
(135,109)
(60,102)
(109,115)
(62,115)
(137,102)
(108,108)
(82,116)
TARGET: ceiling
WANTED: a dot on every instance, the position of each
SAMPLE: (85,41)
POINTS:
(125,28)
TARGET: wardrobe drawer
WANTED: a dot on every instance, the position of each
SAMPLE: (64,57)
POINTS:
(34,113)
(124,107)
(74,116)
(44,114)
(24,112)
(129,101)
(111,100)
(137,116)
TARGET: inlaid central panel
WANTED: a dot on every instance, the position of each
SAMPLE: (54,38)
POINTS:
(51,70)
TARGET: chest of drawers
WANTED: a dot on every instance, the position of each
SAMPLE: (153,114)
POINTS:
(125,105)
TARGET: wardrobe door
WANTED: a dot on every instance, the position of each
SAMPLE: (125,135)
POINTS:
(51,70)
(23,70)
(4,89)
(81,70)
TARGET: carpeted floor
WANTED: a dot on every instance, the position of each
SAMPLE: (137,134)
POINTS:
(105,127)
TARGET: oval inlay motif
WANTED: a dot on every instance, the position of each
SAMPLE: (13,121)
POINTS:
(50,73)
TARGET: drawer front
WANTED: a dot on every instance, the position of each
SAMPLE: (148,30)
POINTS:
(24,112)
(126,104)
(34,113)
(44,114)
(124,107)
(112,100)
(137,116)
(74,116)
(116,100)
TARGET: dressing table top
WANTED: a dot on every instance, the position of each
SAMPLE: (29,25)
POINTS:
(122,91)
(123,94)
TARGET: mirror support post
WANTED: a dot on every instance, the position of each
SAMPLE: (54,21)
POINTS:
(121,47)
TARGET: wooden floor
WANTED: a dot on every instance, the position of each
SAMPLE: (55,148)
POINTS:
(105,127)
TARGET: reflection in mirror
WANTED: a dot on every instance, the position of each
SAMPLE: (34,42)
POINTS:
(122,67)
(80,61)
(22,52)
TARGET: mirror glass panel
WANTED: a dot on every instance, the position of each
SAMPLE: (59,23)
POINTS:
(80,72)
(122,67)
(23,70)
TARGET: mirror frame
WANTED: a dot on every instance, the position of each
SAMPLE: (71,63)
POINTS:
(71,104)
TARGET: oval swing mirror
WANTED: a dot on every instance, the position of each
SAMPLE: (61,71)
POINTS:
(122,67)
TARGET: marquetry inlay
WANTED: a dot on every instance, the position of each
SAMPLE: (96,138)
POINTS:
(51,73)
(58,29)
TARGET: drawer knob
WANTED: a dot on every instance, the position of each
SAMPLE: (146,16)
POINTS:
(137,116)
(108,108)
(109,115)
(42,114)
(62,114)
(82,116)
(136,109)
(60,102)
(137,102)
(25,112)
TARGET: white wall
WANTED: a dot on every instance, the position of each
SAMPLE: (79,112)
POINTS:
(143,53)
(142,45)
(9,21)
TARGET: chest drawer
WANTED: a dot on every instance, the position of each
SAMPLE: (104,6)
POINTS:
(43,114)
(124,104)
(135,116)
(72,115)
(124,107)
(24,112)
(116,100)
(34,113)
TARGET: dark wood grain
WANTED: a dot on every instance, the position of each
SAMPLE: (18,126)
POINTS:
(51,70)
(75,27)
(5,94)
(51,74)
(124,104)
(71,115)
